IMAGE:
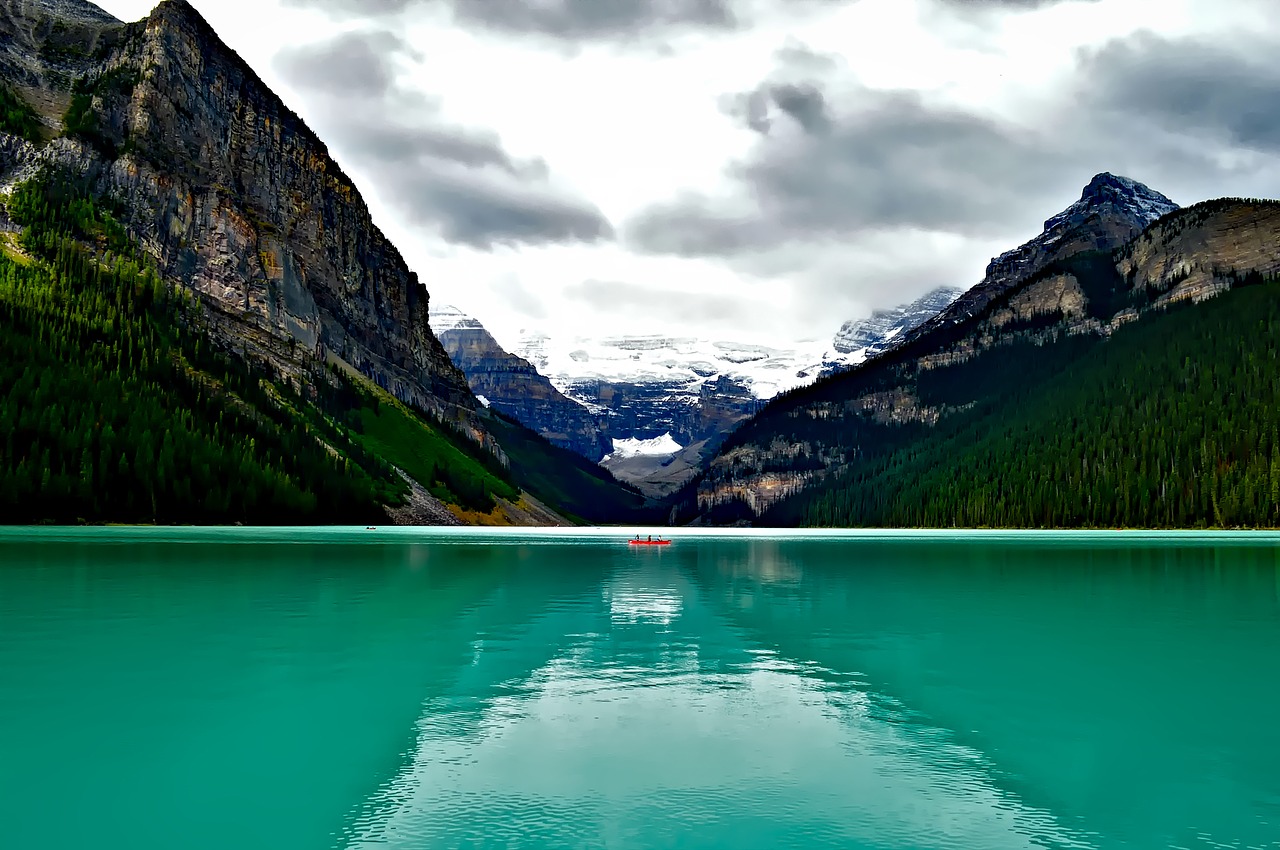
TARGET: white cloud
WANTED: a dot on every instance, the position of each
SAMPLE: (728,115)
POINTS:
(626,127)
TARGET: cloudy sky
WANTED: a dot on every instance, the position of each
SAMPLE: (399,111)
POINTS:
(754,170)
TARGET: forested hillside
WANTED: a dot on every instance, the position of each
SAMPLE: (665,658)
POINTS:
(1174,422)
(118,407)
(1134,386)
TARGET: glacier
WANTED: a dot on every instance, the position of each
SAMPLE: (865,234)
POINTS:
(664,446)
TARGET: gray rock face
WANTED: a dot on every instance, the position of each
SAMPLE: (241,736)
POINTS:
(770,459)
(238,200)
(644,410)
(865,338)
(513,386)
(1111,211)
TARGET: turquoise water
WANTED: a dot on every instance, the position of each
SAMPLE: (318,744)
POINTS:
(400,689)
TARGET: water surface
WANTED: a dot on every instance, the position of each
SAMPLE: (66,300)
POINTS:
(466,689)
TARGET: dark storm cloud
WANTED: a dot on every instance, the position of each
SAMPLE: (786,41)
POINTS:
(485,213)
(459,181)
(355,63)
(803,103)
(835,162)
(579,20)
(1231,93)
(882,161)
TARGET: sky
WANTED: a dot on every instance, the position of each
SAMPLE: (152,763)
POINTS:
(752,170)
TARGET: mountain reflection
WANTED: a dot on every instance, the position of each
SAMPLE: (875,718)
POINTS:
(728,693)
(1067,672)
(644,714)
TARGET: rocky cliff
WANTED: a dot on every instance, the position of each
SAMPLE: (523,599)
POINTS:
(1111,211)
(1097,267)
(229,191)
(513,386)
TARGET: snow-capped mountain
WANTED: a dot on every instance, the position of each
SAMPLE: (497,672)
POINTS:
(648,386)
(651,395)
(1140,202)
(446,317)
(1110,212)
(513,386)
(862,339)
(576,365)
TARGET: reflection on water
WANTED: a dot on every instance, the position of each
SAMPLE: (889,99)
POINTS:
(631,603)
(731,693)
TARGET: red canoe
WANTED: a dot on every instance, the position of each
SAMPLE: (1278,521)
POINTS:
(649,542)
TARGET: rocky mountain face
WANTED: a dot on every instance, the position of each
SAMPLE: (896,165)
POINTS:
(1122,252)
(234,197)
(862,339)
(40,39)
(1111,211)
(698,391)
(646,386)
(513,386)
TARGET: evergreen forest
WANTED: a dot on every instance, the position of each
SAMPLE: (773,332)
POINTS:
(118,408)
(1172,422)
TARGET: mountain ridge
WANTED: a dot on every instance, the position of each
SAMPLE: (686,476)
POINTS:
(259,289)
(1110,211)
(514,386)
(313,267)
(1117,268)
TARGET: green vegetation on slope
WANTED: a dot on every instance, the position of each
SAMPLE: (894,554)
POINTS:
(579,488)
(452,468)
(1173,422)
(118,409)
(17,117)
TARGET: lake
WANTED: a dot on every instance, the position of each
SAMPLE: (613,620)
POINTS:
(480,689)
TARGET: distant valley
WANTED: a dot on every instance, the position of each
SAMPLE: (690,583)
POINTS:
(594,395)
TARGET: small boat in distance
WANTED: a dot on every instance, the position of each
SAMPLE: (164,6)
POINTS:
(650,542)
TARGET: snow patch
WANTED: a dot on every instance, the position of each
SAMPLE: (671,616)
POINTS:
(663,446)
(652,359)
(446,317)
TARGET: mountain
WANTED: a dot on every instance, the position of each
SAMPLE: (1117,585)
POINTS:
(1111,211)
(199,320)
(263,225)
(583,367)
(647,386)
(512,385)
(690,393)
(1119,369)
(861,339)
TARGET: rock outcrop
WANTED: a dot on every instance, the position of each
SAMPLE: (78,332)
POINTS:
(231,193)
(1111,211)
(1120,252)
(512,385)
